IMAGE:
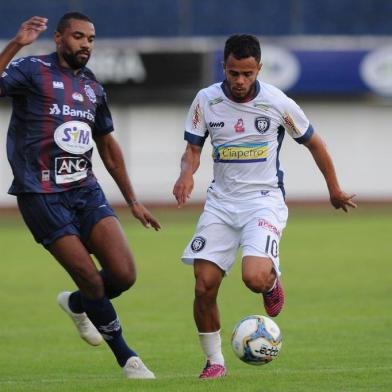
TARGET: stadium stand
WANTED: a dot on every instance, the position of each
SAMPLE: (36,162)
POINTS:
(181,18)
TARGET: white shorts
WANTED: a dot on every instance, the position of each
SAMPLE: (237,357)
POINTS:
(225,225)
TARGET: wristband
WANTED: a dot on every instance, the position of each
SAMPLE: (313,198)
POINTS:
(132,203)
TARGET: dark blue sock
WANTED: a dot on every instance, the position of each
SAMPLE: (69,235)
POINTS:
(104,317)
(111,291)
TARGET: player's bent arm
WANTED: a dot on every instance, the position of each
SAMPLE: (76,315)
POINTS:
(318,149)
(190,162)
(113,159)
(28,32)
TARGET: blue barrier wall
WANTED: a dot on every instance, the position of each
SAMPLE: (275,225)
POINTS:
(173,18)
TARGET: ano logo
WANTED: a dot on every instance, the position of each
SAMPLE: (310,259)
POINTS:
(74,137)
(216,124)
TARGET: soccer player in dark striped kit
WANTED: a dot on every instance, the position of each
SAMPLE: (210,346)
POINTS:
(59,110)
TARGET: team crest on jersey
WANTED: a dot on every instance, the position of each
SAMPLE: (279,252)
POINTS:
(198,244)
(90,93)
(262,124)
(77,97)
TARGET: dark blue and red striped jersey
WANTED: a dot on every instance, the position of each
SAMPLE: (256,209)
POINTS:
(56,114)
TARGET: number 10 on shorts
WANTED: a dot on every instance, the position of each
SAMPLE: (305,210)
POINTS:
(271,247)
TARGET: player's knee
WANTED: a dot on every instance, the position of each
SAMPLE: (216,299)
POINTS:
(90,283)
(126,282)
(260,282)
(205,290)
(124,279)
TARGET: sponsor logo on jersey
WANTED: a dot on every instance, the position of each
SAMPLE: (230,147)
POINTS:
(66,110)
(217,124)
(16,62)
(291,124)
(269,226)
(90,93)
(77,97)
(198,244)
(243,153)
(45,175)
(196,116)
(54,109)
(71,169)
(74,137)
(4,74)
(35,60)
(57,84)
(261,106)
(239,126)
(215,101)
(262,124)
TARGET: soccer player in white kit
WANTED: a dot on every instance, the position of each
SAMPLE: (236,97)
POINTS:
(245,208)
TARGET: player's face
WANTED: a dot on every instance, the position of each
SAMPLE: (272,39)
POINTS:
(76,43)
(241,77)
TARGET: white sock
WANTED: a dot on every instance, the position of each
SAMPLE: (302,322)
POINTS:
(211,345)
(273,286)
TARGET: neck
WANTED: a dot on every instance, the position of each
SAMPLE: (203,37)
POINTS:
(63,63)
(251,95)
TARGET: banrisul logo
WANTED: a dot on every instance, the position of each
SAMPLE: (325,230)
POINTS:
(74,137)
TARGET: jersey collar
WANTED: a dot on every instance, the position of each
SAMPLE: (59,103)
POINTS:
(224,89)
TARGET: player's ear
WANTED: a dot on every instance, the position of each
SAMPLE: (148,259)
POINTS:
(57,38)
(260,66)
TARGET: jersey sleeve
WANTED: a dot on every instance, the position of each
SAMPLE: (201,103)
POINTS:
(295,122)
(195,126)
(103,117)
(16,79)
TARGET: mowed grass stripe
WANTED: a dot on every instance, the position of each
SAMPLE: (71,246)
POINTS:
(336,326)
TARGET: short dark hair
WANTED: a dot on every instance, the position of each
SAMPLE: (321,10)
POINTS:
(64,20)
(242,46)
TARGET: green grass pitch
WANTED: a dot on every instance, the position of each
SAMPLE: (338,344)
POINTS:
(336,324)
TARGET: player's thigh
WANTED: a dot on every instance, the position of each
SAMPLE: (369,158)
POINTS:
(215,241)
(71,253)
(107,241)
(261,235)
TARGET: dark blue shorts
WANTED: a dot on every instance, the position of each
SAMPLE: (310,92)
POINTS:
(50,216)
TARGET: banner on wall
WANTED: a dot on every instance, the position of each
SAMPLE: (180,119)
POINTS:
(327,72)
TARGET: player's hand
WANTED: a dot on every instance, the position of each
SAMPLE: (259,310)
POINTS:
(30,30)
(343,200)
(140,212)
(182,189)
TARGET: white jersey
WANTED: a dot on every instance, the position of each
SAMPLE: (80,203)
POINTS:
(246,137)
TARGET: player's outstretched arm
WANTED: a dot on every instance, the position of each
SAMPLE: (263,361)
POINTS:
(28,32)
(338,198)
(190,162)
(113,159)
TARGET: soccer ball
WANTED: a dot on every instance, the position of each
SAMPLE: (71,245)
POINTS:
(256,340)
